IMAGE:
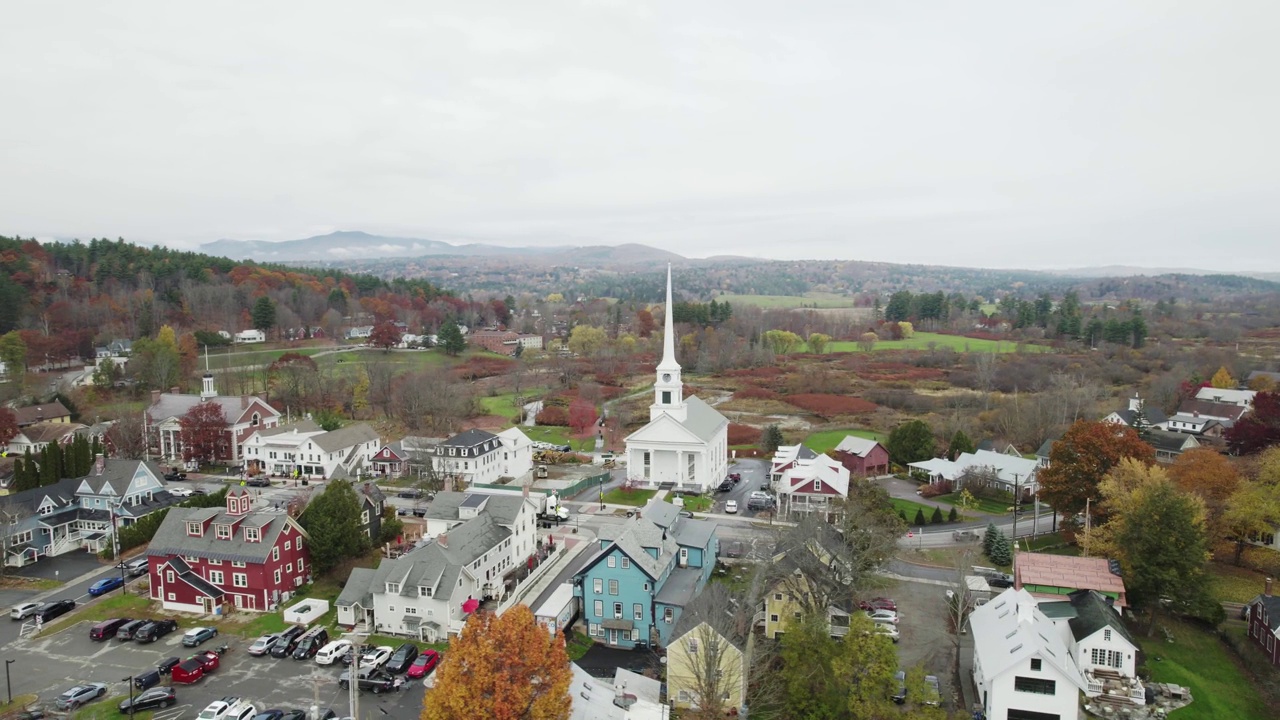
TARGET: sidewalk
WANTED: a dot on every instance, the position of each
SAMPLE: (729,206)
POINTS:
(531,591)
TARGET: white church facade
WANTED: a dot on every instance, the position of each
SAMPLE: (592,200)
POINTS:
(686,442)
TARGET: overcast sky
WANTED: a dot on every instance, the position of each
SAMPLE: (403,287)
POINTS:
(998,134)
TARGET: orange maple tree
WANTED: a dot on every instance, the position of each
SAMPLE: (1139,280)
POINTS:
(502,667)
(1080,459)
(1211,476)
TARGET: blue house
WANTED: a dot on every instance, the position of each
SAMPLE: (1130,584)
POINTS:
(634,587)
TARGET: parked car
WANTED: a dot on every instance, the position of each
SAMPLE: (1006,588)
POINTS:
(409,493)
(423,664)
(374,679)
(294,715)
(736,477)
(994,577)
(228,708)
(376,657)
(179,492)
(879,603)
(333,651)
(263,645)
(731,506)
(106,585)
(153,699)
(57,608)
(126,631)
(175,476)
(259,481)
(272,714)
(80,695)
(965,536)
(731,549)
(900,696)
(310,643)
(883,616)
(935,697)
(107,628)
(23,611)
(195,636)
(402,658)
(284,647)
(888,629)
(725,486)
(346,658)
(136,567)
(154,630)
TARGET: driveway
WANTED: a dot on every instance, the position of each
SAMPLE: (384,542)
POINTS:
(602,660)
(62,567)
(925,639)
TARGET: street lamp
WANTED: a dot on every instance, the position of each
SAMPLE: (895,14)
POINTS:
(129,682)
(8,688)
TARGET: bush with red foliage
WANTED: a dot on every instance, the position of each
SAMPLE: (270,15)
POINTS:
(552,415)
(479,366)
(933,490)
(743,434)
(831,405)
(765,371)
(754,392)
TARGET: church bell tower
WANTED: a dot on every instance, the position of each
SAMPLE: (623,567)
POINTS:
(668,389)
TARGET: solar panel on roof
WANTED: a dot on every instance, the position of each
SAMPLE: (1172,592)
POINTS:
(473,501)
(1114,566)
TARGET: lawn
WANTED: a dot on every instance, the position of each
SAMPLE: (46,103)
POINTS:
(825,441)
(910,507)
(696,503)
(1235,584)
(114,606)
(922,341)
(578,646)
(557,435)
(503,405)
(787,302)
(982,504)
(1199,660)
(396,642)
(235,357)
(623,496)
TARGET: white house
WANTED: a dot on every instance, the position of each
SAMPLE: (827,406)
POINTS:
(1102,647)
(630,696)
(338,452)
(250,336)
(1243,398)
(1009,471)
(275,450)
(477,456)
(430,592)
(1022,667)
(686,441)
(1155,417)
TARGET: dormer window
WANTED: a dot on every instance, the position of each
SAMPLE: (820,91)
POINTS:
(252,534)
(393,587)
(222,531)
(424,591)
(194,529)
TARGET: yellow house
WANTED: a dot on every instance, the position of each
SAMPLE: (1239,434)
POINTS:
(782,605)
(702,662)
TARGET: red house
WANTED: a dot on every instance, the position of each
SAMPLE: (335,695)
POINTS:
(204,559)
(862,456)
(1264,623)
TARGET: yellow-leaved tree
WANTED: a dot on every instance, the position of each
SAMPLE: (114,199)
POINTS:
(502,667)
(1222,379)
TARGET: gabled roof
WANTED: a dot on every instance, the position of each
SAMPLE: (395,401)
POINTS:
(436,566)
(1066,571)
(855,445)
(686,531)
(305,425)
(357,589)
(1171,441)
(703,420)
(345,437)
(1155,416)
(1272,604)
(192,578)
(117,475)
(1226,395)
(370,491)
(469,438)
(1093,613)
(172,537)
(33,414)
(1010,630)
(1209,408)
(175,405)
(504,507)
(42,433)
(632,538)
(689,622)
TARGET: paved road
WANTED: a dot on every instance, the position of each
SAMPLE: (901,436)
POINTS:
(78,591)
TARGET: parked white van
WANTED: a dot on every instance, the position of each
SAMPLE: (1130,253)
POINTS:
(332,652)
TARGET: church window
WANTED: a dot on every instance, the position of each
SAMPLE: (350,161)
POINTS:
(666,397)
(692,464)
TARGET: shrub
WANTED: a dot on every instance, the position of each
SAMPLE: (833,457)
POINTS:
(743,434)
(754,392)
(479,366)
(932,490)
(552,415)
(919,519)
(903,514)
(936,518)
(953,516)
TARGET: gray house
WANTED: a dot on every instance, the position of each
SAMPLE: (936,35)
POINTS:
(77,513)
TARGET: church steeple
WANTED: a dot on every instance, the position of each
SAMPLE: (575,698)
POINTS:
(668,389)
(207,390)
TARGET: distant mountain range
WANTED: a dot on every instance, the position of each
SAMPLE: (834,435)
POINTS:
(1103,271)
(346,246)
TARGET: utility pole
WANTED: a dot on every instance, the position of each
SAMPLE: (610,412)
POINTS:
(1017,502)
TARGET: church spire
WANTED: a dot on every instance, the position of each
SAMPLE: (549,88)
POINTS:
(669,334)
(668,388)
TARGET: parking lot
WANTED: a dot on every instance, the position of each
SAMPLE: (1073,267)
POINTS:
(924,637)
(49,665)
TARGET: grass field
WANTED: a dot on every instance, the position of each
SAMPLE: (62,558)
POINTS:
(784,302)
(503,405)
(697,503)
(116,605)
(824,441)
(1199,660)
(557,435)
(220,360)
(985,505)
(922,341)
(1235,584)
(622,496)
(910,507)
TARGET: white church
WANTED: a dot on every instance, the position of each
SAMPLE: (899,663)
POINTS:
(686,441)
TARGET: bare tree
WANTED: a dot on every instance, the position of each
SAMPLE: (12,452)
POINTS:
(381,375)
(125,439)
(984,373)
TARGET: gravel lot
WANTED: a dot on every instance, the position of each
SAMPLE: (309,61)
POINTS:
(924,637)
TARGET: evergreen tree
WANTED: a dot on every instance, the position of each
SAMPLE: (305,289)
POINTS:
(953,516)
(919,519)
(772,439)
(1001,551)
(333,522)
(936,518)
(451,339)
(988,538)
(960,443)
(263,314)
(903,514)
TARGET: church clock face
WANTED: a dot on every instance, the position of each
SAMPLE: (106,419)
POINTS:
(666,377)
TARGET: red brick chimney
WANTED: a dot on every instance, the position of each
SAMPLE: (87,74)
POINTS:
(443,540)
(155,396)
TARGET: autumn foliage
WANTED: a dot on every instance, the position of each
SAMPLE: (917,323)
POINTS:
(582,416)
(754,392)
(502,667)
(203,430)
(1259,429)
(1082,457)
(743,434)
(480,366)
(552,415)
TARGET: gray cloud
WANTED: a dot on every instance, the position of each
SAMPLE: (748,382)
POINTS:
(1003,134)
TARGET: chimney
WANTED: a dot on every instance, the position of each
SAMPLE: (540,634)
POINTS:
(244,401)
(443,539)
(155,396)
(1267,588)
(526,491)
(99,464)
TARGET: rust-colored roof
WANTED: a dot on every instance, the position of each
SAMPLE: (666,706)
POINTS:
(1066,571)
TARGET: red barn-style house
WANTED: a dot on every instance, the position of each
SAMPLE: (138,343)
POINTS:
(204,559)
(862,456)
(1264,623)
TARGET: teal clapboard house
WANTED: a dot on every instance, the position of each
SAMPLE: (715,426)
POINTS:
(635,585)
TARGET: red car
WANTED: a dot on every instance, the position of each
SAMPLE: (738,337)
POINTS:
(195,667)
(878,604)
(424,664)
